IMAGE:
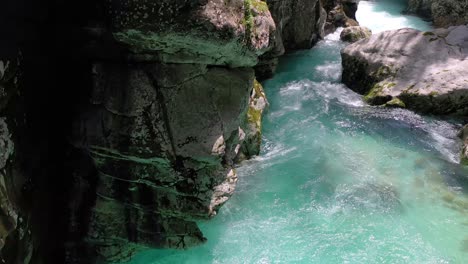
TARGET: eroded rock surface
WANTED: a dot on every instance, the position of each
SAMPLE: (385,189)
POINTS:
(353,34)
(424,71)
(166,121)
(443,12)
(214,32)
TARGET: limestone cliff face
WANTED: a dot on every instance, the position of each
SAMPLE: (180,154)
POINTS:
(444,13)
(165,123)
(159,100)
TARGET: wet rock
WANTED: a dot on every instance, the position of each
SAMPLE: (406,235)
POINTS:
(353,34)
(425,71)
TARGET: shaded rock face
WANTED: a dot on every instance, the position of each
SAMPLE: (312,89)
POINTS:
(340,13)
(299,24)
(464,137)
(353,34)
(214,32)
(16,245)
(424,71)
(165,122)
(163,138)
(444,13)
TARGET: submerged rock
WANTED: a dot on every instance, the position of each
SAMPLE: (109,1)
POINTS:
(425,71)
(353,34)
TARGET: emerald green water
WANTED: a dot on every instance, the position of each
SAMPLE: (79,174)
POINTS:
(339,181)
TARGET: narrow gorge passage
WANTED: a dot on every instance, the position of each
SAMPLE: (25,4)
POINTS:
(339,181)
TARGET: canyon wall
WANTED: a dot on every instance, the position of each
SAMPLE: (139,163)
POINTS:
(444,13)
(157,102)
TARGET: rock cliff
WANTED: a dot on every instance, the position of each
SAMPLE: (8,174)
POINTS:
(158,101)
(164,125)
(444,13)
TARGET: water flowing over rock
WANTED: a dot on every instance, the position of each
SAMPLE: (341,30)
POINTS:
(443,12)
(424,71)
(353,34)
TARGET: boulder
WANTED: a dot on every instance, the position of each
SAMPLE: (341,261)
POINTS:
(353,34)
(426,71)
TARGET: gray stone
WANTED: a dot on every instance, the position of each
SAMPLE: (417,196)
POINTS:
(353,34)
(444,13)
(215,32)
(426,71)
(163,138)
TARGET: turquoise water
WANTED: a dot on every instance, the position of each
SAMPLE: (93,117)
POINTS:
(339,181)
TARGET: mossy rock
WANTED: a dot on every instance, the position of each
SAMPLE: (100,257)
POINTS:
(395,102)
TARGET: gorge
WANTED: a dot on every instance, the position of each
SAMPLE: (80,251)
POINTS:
(163,124)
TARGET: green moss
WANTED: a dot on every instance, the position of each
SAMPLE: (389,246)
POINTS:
(373,92)
(248,21)
(428,33)
(395,102)
(433,93)
(260,6)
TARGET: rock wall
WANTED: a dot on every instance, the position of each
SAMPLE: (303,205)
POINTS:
(158,101)
(16,244)
(165,122)
(444,13)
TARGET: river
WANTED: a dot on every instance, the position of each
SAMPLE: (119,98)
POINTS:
(339,181)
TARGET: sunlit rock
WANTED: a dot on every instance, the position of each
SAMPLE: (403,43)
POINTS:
(426,71)
(353,34)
